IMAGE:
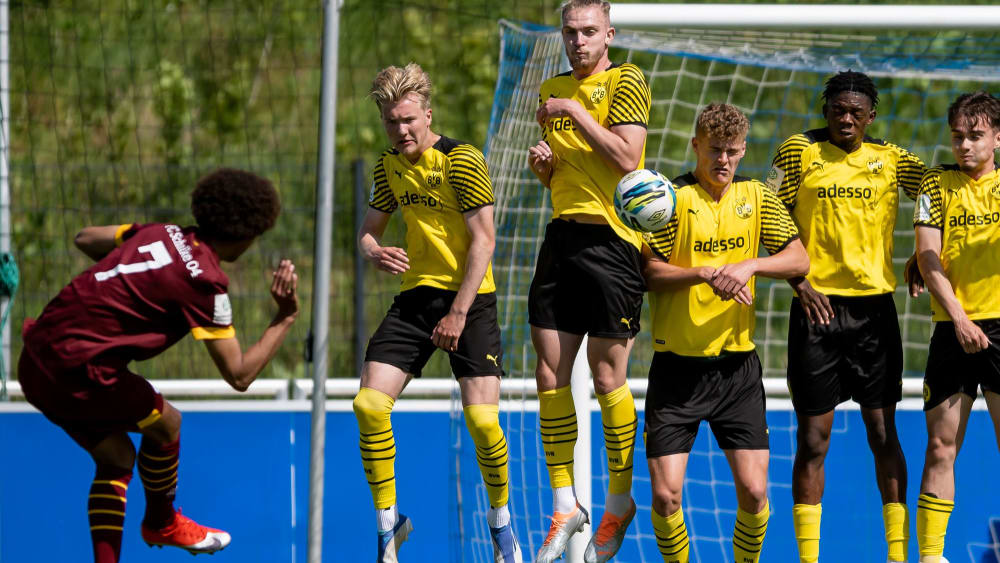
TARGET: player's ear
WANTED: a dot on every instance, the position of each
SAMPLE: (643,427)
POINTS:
(429,111)
(694,143)
(609,36)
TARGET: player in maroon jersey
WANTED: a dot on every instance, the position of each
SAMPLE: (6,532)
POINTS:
(152,284)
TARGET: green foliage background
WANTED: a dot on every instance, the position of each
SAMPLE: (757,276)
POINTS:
(118,106)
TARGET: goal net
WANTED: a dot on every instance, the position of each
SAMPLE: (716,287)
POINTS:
(776,78)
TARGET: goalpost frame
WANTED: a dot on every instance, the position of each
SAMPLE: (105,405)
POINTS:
(815,16)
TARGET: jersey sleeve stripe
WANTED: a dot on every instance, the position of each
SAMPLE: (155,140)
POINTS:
(213,332)
(469,176)
(120,233)
(382,198)
(777,229)
(662,242)
(910,171)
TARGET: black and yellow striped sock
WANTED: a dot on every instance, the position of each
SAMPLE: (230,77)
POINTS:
(618,416)
(806,519)
(557,422)
(158,470)
(932,524)
(897,530)
(671,536)
(378,446)
(483,422)
(106,511)
(748,534)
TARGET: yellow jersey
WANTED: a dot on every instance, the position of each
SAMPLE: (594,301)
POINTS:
(845,207)
(693,321)
(582,181)
(967,212)
(449,179)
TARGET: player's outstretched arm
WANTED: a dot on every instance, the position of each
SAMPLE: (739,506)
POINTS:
(239,368)
(96,241)
(969,335)
(386,258)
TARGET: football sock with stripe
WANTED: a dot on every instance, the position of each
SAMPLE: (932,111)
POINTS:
(557,421)
(748,534)
(671,536)
(158,471)
(932,523)
(619,420)
(806,519)
(106,511)
(483,423)
(378,446)
(897,529)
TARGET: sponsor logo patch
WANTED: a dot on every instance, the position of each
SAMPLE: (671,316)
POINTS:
(775,176)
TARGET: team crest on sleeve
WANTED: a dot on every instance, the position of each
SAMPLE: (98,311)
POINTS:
(995,190)
(223,313)
(744,209)
(922,211)
(775,176)
(874,166)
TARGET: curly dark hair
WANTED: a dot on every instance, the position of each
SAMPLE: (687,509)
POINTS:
(850,81)
(973,106)
(232,205)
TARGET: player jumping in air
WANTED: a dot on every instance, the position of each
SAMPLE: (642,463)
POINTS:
(152,284)
(700,270)
(842,188)
(587,278)
(447,299)
(957,222)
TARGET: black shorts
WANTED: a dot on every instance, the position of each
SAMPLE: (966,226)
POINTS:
(859,355)
(403,339)
(587,281)
(726,391)
(950,370)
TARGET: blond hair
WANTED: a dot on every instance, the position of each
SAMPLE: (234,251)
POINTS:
(723,122)
(392,84)
(570,5)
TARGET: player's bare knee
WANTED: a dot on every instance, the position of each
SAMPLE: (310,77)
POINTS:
(666,498)
(117,451)
(941,450)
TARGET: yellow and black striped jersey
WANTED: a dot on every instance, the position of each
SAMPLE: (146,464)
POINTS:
(968,213)
(693,321)
(845,207)
(449,179)
(582,181)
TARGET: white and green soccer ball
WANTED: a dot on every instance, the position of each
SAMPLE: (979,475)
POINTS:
(645,200)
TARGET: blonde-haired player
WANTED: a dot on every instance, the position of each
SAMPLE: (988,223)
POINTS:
(700,270)
(447,298)
(587,279)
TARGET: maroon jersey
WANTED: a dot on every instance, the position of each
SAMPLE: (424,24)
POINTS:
(160,283)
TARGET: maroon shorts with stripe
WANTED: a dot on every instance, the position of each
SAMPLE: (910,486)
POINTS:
(89,411)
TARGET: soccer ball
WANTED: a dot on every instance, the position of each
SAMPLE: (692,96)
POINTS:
(645,200)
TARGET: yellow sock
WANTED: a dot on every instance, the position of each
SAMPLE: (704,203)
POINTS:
(557,421)
(483,422)
(618,416)
(748,534)
(932,524)
(378,447)
(806,519)
(671,536)
(897,530)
